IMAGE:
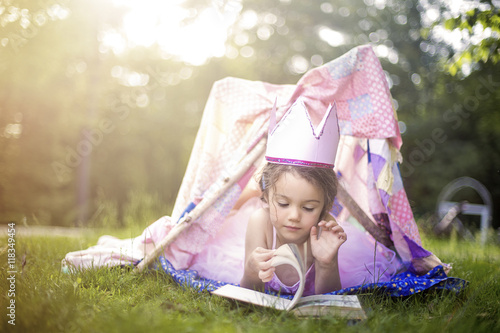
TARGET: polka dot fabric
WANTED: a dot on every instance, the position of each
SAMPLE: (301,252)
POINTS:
(362,95)
(402,215)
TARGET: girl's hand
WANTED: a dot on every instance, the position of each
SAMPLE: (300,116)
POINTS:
(325,246)
(260,261)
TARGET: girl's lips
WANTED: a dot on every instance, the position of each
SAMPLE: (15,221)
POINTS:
(291,228)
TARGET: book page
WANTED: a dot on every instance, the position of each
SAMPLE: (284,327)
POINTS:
(346,306)
(252,296)
(349,301)
(288,254)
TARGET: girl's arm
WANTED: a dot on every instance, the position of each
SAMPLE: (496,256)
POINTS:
(325,252)
(257,255)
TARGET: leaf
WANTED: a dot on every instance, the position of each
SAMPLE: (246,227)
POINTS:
(495,22)
(452,69)
(465,25)
(495,58)
(471,12)
(450,24)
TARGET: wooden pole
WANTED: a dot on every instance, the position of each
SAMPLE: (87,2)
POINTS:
(359,214)
(221,186)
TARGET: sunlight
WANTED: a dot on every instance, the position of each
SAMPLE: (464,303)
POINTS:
(332,37)
(182,33)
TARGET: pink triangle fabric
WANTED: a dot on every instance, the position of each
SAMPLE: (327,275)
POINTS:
(237,114)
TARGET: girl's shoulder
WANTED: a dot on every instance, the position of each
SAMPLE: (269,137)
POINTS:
(260,224)
(260,216)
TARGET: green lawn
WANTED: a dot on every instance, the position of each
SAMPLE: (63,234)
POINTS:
(113,300)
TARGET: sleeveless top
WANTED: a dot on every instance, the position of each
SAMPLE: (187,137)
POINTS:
(276,285)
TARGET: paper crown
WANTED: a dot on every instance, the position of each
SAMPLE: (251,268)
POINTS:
(295,141)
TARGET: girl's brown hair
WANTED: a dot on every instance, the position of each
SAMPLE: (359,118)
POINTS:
(321,177)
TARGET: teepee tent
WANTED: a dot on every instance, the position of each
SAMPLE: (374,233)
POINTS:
(230,146)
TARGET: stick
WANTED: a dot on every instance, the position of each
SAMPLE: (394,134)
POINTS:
(360,215)
(221,186)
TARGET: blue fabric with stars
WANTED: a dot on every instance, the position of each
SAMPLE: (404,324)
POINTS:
(404,284)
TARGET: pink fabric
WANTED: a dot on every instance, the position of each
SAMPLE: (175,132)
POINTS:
(222,258)
(278,286)
(237,114)
(363,261)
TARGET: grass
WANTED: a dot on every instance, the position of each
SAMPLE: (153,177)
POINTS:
(113,300)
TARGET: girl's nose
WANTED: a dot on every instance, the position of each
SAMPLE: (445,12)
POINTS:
(294,214)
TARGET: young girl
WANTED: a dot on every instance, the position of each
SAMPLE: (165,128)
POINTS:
(297,201)
(297,189)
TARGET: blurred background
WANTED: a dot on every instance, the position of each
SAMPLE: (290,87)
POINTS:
(100,101)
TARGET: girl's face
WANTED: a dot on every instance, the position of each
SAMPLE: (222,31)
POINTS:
(295,206)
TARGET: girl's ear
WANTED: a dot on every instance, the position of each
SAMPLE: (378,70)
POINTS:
(265,199)
(324,216)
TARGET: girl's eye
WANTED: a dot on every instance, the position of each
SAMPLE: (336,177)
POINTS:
(308,209)
(282,204)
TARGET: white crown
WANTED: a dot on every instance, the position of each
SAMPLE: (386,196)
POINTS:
(295,141)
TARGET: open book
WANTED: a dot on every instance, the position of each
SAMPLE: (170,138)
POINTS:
(315,306)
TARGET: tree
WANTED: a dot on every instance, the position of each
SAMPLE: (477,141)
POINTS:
(134,109)
(474,32)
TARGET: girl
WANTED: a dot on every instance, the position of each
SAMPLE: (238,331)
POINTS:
(297,201)
(298,187)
